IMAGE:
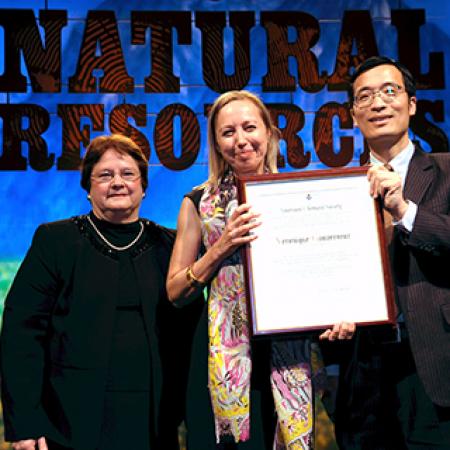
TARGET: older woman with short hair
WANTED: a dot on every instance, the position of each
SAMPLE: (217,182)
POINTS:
(90,355)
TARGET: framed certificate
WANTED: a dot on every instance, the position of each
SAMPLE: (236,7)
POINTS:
(320,256)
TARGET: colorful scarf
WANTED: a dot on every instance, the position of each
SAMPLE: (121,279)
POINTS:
(229,359)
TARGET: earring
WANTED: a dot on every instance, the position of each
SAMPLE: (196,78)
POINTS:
(89,197)
(143,195)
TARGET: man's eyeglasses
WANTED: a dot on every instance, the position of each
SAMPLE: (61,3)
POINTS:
(107,176)
(388,92)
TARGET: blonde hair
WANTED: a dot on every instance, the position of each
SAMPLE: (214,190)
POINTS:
(217,165)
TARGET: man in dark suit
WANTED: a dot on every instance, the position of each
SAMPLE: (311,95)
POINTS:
(395,391)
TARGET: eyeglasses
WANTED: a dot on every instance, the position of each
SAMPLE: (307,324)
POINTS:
(107,176)
(388,92)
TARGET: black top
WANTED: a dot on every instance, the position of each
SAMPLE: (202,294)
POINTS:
(196,195)
(129,365)
(121,235)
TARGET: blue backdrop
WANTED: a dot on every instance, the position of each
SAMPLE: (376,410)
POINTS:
(33,193)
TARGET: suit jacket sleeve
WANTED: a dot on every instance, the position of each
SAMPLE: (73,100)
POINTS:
(24,336)
(427,184)
(431,232)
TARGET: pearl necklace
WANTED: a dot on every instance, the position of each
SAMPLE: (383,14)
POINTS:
(115,247)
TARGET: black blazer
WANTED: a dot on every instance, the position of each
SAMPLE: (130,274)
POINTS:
(57,327)
(421,266)
(420,263)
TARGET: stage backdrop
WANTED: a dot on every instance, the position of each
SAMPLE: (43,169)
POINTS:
(72,70)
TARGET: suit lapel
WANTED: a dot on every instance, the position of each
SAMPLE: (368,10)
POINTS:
(420,176)
(151,284)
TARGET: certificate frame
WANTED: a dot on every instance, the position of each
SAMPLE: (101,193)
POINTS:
(274,263)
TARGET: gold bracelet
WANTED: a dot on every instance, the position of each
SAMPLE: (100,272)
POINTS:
(192,280)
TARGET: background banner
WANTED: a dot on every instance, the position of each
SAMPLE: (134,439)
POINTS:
(73,70)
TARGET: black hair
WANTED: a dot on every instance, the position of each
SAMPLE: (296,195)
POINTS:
(375,61)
